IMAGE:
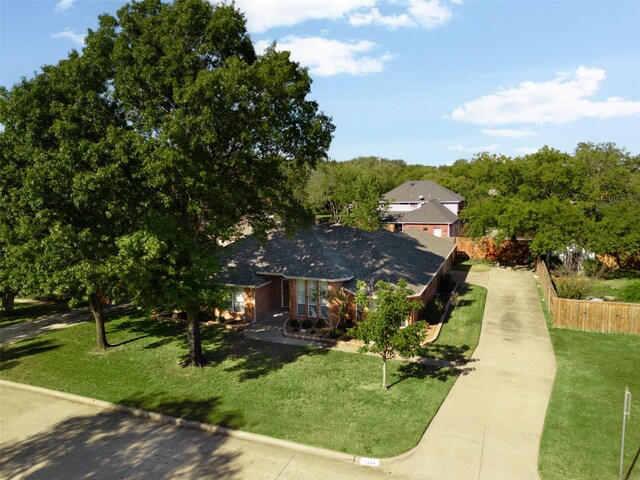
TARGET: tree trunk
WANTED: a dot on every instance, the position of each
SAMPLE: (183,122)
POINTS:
(95,304)
(193,337)
(8,302)
(384,372)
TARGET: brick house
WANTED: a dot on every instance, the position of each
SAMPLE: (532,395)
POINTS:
(303,274)
(424,205)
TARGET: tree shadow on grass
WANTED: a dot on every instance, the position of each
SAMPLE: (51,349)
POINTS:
(449,353)
(202,410)
(254,358)
(421,371)
(113,445)
(249,358)
(10,355)
(31,311)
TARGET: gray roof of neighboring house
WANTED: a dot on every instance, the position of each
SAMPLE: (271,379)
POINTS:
(337,253)
(431,212)
(411,191)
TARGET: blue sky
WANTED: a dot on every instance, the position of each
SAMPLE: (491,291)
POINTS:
(426,81)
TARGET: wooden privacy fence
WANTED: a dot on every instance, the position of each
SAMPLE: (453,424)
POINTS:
(605,317)
(508,251)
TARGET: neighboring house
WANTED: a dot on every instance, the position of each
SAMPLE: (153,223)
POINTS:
(424,205)
(303,274)
(432,217)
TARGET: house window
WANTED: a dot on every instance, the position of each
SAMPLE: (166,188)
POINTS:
(301,292)
(404,323)
(437,232)
(372,305)
(236,301)
(323,299)
(312,295)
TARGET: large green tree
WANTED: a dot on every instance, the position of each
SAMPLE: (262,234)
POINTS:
(380,330)
(367,207)
(68,179)
(132,161)
(224,134)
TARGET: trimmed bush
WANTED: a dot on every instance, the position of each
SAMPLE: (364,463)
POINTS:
(293,323)
(630,293)
(321,323)
(307,324)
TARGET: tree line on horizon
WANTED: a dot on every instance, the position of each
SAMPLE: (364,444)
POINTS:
(588,199)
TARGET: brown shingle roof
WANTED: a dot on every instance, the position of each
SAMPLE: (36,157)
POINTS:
(412,190)
(431,212)
(338,253)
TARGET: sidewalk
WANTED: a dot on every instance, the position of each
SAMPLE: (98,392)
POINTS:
(44,436)
(33,328)
(489,425)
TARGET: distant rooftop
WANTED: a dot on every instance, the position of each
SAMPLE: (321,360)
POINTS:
(420,190)
(339,254)
(431,212)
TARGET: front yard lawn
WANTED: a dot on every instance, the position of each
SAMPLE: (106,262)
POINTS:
(583,427)
(461,331)
(318,397)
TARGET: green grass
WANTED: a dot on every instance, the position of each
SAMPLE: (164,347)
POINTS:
(601,287)
(461,331)
(26,310)
(582,432)
(476,266)
(318,397)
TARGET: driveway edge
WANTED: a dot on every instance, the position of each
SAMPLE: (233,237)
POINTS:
(181,422)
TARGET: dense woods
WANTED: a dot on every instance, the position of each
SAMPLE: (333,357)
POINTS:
(588,199)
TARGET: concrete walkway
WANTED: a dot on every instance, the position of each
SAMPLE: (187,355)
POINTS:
(47,323)
(489,425)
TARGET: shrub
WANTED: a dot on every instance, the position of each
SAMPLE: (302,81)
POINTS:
(307,324)
(434,309)
(630,292)
(572,287)
(321,323)
(448,283)
(592,267)
(293,323)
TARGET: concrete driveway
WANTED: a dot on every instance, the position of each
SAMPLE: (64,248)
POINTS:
(490,424)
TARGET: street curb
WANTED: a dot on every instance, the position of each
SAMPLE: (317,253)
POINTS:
(181,422)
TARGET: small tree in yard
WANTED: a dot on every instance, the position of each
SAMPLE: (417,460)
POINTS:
(380,330)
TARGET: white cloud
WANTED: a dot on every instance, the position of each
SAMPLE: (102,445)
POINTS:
(563,99)
(71,35)
(430,13)
(63,5)
(374,17)
(424,13)
(527,150)
(326,57)
(508,132)
(481,148)
(263,15)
